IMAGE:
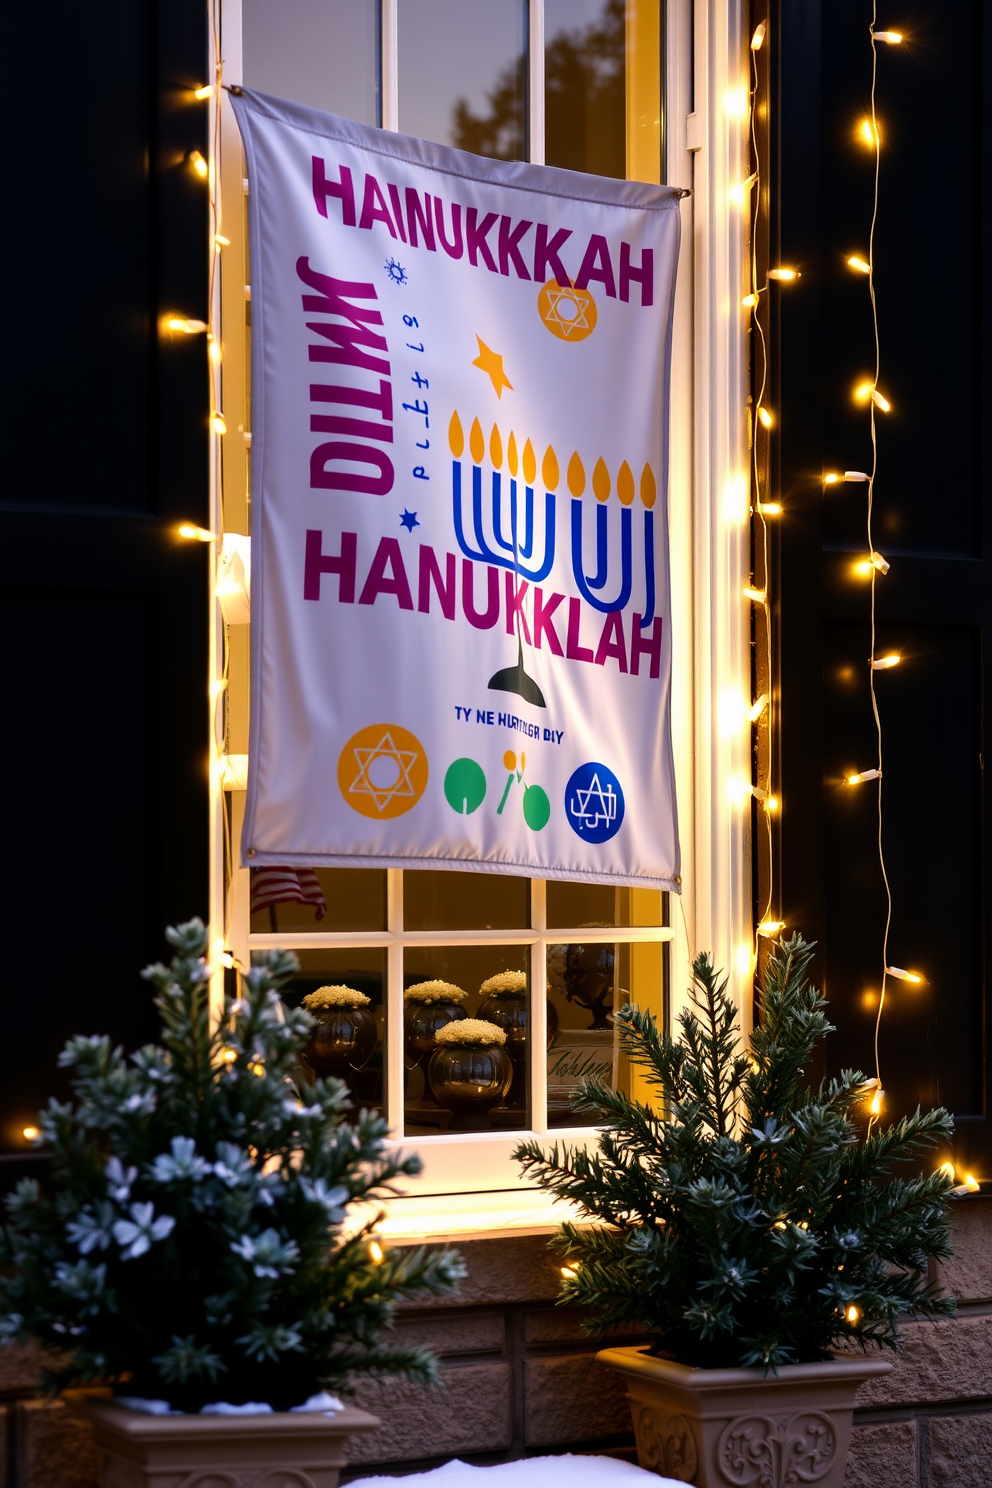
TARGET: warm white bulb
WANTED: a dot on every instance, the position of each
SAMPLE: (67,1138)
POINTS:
(195,534)
(758,37)
(756,596)
(880,402)
(856,475)
(878,562)
(784,275)
(769,508)
(891,38)
(376,1253)
(863,775)
(885,663)
(199,165)
(765,418)
(904,976)
(749,301)
(860,264)
(867,133)
(205,92)
(831,478)
(218,423)
(770,928)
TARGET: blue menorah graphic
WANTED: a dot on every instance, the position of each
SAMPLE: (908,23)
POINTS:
(512,552)
(591,586)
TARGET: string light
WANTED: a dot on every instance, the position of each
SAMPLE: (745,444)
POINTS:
(770,928)
(857,262)
(769,508)
(738,193)
(891,38)
(765,418)
(852,1313)
(886,663)
(758,707)
(756,596)
(569,1272)
(904,976)
(758,38)
(220,241)
(867,133)
(207,91)
(750,301)
(832,478)
(197,163)
(947,1168)
(182,325)
(876,1102)
(864,775)
(195,534)
(772,804)
(784,275)
(218,423)
(376,1253)
(30,1134)
(878,562)
(856,475)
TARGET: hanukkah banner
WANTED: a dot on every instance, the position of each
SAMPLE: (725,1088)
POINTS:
(461,639)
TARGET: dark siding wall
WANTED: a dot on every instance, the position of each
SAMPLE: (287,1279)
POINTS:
(931,521)
(102,610)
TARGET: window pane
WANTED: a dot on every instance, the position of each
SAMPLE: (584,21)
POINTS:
(464,901)
(463,1087)
(317,899)
(585,984)
(463,71)
(320,52)
(349,1041)
(575,905)
(585,86)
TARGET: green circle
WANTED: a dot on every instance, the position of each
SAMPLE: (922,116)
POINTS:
(537,807)
(465,786)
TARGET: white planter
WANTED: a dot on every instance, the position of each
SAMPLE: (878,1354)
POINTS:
(281,1450)
(740,1428)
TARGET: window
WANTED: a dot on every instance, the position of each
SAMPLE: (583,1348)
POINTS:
(579,83)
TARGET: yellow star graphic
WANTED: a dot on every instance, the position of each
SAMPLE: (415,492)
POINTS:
(491,363)
(383,772)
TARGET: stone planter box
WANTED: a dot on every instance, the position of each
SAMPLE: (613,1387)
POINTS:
(724,1428)
(281,1450)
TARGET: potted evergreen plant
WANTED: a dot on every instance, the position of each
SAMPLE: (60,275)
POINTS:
(754,1228)
(189,1252)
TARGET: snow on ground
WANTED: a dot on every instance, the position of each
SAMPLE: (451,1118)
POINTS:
(566,1471)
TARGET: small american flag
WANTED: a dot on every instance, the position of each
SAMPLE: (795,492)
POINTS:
(271,886)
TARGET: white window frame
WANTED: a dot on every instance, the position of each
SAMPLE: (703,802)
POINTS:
(469,1182)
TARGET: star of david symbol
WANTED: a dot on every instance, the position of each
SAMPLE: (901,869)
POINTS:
(383,772)
(588,813)
(568,310)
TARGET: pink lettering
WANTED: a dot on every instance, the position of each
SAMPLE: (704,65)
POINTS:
(316,562)
(640,647)
(573,650)
(544,625)
(611,642)
(597,264)
(387,557)
(472,615)
(344,190)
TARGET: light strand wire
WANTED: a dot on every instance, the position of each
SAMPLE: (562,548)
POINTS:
(876,144)
(754,210)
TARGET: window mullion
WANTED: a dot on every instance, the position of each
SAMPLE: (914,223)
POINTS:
(389,76)
(393,1094)
(535,81)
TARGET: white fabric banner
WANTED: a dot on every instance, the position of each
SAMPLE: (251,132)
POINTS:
(461,640)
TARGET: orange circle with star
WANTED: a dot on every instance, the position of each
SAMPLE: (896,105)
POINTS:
(382,771)
(568,313)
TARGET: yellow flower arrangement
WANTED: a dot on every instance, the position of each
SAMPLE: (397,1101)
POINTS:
(335,997)
(504,981)
(434,992)
(470,1031)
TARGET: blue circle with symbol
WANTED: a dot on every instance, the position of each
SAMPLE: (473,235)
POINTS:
(594,802)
